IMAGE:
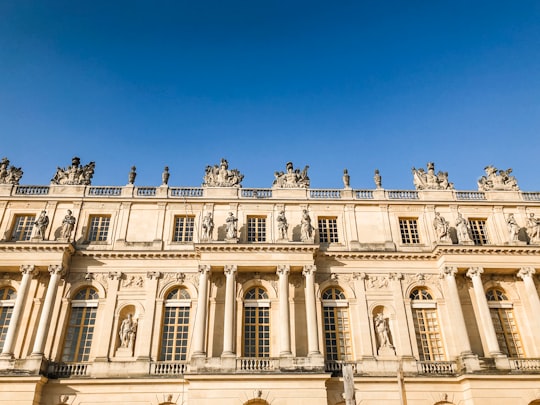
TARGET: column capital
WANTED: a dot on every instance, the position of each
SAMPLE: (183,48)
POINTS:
(56,269)
(526,272)
(359,276)
(230,269)
(153,275)
(309,269)
(204,269)
(474,271)
(29,269)
(448,271)
(283,270)
(115,275)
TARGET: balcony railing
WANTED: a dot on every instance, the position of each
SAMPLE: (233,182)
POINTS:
(531,196)
(257,364)
(146,191)
(32,190)
(525,365)
(186,192)
(470,195)
(165,368)
(437,367)
(65,370)
(336,366)
(256,193)
(325,194)
(104,191)
(403,195)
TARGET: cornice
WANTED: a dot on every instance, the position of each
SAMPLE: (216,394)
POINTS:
(130,254)
(256,248)
(39,247)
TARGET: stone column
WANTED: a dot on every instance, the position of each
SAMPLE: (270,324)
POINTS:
(311,311)
(483,311)
(56,272)
(199,331)
(228,318)
(284,317)
(526,274)
(28,271)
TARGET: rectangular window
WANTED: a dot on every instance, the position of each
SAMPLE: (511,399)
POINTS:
(408,228)
(478,231)
(183,229)
(256,229)
(98,228)
(22,227)
(328,230)
(79,334)
(336,333)
(507,332)
(256,332)
(174,337)
(428,337)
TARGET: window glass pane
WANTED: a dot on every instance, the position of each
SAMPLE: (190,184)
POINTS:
(408,228)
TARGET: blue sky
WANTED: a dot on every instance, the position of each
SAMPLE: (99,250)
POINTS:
(349,84)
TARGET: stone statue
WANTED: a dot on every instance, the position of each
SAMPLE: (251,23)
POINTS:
(128,330)
(306,229)
(282,224)
(462,229)
(165,176)
(533,228)
(346,179)
(67,226)
(41,225)
(292,178)
(132,175)
(377,179)
(221,176)
(429,180)
(498,180)
(382,331)
(74,174)
(441,226)
(208,227)
(9,174)
(513,228)
(231,227)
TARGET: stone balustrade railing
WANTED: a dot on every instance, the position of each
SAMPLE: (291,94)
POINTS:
(164,192)
(336,366)
(253,364)
(65,370)
(525,365)
(165,368)
(437,367)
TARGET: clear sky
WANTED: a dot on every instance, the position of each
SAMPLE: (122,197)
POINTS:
(343,84)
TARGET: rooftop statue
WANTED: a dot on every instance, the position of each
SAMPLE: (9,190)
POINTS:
(498,180)
(76,174)
(292,178)
(9,174)
(221,176)
(429,180)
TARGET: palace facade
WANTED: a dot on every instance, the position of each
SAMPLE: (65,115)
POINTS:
(286,295)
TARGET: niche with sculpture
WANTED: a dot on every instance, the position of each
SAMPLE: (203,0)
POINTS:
(127,331)
(383,333)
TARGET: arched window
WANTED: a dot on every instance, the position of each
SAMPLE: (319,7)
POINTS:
(426,325)
(7,302)
(80,330)
(337,335)
(174,335)
(256,323)
(504,322)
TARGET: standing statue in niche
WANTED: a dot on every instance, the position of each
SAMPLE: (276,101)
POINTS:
(41,225)
(128,330)
(231,227)
(68,223)
(533,228)
(441,228)
(462,229)
(283,226)
(513,228)
(306,229)
(208,227)
(382,331)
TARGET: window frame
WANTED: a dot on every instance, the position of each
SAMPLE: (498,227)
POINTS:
(25,230)
(188,229)
(429,341)
(7,304)
(479,234)
(257,232)
(328,229)
(336,326)
(260,332)
(179,350)
(100,229)
(409,235)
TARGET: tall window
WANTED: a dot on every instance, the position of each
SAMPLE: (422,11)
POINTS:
(80,330)
(408,227)
(256,229)
(256,323)
(478,231)
(328,232)
(426,324)
(98,228)
(183,229)
(22,227)
(337,335)
(174,335)
(504,322)
(7,302)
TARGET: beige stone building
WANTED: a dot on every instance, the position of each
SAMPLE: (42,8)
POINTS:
(285,295)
